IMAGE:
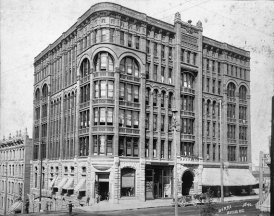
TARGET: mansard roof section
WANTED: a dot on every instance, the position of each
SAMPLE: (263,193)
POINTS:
(225,46)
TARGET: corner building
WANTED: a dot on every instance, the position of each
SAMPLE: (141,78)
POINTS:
(104,93)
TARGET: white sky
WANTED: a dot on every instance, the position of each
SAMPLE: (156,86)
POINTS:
(29,26)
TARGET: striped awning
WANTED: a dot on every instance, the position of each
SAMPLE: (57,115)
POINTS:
(69,184)
(17,206)
(51,183)
(81,186)
(231,177)
(61,183)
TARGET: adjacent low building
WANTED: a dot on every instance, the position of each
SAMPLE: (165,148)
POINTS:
(105,93)
(15,156)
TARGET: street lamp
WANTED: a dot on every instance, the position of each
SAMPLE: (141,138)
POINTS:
(175,127)
(221,155)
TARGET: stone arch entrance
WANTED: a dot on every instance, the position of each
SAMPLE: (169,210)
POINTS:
(187,182)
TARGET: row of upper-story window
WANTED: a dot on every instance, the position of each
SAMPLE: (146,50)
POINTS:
(233,58)
(211,87)
(41,95)
(159,50)
(16,170)
(188,57)
(12,187)
(231,90)
(13,154)
(153,73)
(210,129)
(231,132)
(231,153)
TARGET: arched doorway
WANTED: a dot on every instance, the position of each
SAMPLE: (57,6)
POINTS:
(187,182)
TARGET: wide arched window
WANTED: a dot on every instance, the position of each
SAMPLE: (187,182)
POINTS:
(128,182)
(45,91)
(231,90)
(37,95)
(84,68)
(130,66)
(242,93)
(104,62)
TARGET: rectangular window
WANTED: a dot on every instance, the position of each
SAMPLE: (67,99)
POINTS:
(104,35)
(128,117)
(135,147)
(188,57)
(129,92)
(155,72)
(122,42)
(129,40)
(147,47)
(147,121)
(110,89)
(135,119)
(122,91)
(213,86)
(163,52)
(155,49)
(162,74)
(219,68)
(111,35)
(147,148)
(207,84)
(162,149)
(102,116)
(170,76)
(137,41)
(213,66)
(154,122)
(147,70)
(162,122)
(109,116)
(102,144)
(109,144)
(194,58)
(219,87)
(169,149)
(103,89)
(122,118)
(170,53)
(136,93)
(128,146)
(154,148)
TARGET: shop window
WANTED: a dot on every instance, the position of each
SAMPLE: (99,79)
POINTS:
(128,182)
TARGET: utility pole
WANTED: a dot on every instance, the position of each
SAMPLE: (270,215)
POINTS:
(261,176)
(6,191)
(175,124)
(221,155)
(272,162)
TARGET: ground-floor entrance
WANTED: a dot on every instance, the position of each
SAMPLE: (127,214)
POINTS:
(187,183)
(159,182)
(102,187)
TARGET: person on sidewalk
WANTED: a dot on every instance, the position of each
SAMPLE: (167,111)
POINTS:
(70,207)
(88,199)
(27,206)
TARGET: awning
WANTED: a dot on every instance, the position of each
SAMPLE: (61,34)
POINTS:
(17,206)
(51,183)
(231,177)
(81,186)
(61,183)
(68,185)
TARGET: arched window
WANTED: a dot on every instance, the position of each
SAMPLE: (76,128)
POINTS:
(84,68)
(37,95)
(207,107)
(45,91)
(242,93)
(231,90)
(129,66)
(170,100)
(104,62)
(128,182)
(163,99)
(213,108)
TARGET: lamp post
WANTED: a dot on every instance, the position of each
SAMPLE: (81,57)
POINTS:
(221,155)
(175,128)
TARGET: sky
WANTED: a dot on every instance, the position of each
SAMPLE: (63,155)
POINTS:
(29,26)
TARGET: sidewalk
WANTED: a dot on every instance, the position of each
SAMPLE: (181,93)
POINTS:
(133,204)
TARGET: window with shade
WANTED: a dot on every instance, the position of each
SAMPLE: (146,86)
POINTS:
(187,103)
(103,89)
(242,93)
(103,116)
(104,62)
(187,80)
(128,118)
(129,92)
(129,66)
(187,126)
(103,144)
(128,146)
(231,90)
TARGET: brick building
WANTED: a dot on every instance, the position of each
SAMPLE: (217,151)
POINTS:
(15,156)
(103,98)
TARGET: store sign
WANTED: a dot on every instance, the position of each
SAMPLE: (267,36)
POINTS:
(234,210)
(189,159)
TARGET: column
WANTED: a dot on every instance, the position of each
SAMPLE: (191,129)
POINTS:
(237,126)
(116,112)
(159,126)
(91,114)
(142,115)
(151,125)
(166,126)
(76,147)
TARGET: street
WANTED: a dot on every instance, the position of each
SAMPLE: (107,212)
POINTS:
(244,208)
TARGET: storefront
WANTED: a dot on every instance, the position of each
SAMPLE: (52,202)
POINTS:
(158,181)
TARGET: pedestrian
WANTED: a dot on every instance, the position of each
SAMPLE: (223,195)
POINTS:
(70,207)
(27,206)
(218,193)
(88,199)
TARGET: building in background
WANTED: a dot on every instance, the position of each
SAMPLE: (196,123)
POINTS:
(15,156)
(103,98)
